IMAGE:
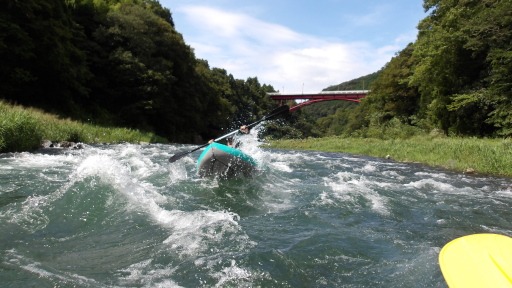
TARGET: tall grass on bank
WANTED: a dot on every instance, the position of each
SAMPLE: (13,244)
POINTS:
(492,156)
(22,129)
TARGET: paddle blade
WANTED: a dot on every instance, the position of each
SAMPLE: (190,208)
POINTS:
(480,260)
(279,111)
(178,156)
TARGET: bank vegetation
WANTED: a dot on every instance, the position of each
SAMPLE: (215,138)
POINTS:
(23,129)
(464,154)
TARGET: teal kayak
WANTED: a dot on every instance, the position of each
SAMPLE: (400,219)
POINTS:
(224,161)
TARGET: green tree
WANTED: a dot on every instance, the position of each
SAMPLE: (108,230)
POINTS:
(145,74)
(453,65)
(41,64)
(392,96)
(489,33)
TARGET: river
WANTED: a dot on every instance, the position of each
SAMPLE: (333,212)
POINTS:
(123,216)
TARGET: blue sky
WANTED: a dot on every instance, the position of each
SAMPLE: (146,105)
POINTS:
(297,45)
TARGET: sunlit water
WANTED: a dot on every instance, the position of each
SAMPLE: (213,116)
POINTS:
(123,216)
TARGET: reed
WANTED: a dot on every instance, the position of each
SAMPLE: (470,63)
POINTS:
(490,156)
(22,129)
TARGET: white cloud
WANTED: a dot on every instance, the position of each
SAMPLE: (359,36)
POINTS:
(277,55)
(407,38)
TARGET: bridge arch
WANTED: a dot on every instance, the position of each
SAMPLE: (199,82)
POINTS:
(348,95)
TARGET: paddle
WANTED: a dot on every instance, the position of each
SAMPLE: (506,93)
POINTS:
(273,114)
(480,260)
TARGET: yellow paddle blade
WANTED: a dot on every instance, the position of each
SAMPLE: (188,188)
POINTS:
(480,260)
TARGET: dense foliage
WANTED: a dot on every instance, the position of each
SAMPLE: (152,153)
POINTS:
(455,78)
(119,63)
(122,63)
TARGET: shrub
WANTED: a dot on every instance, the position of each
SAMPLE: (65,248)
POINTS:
(22,129)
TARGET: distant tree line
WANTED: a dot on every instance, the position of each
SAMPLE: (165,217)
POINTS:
(119,63)
(456,77)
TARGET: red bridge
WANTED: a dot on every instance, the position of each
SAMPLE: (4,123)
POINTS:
(349,95)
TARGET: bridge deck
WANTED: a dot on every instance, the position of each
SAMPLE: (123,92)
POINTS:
(348,95)
(354,94)
(317,95)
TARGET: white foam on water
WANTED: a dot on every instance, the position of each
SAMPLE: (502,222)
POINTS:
(191,233)
(432,185)
(141,165)
(31,213)
(393,174)
(352,158)
(234,275)
(127,179)
(278,156)
(157,277)
(206,237)
(125,175)
(282,162)
(178,171)
(30,161)
(367,168)
(208,183)
(251,145)
(348,188)
(195,220)
(278,196)
(31,216)
(503,193)
(281,166)
(432,175)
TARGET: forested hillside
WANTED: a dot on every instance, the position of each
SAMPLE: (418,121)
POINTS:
(119,63)
(456,77)
(122,63)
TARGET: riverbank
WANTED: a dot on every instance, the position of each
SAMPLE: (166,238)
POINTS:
(23,129)
(470,155)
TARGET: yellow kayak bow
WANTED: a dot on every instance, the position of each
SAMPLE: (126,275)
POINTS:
(480,260)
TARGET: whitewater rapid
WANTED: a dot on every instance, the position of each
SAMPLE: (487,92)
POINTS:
(123,216)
